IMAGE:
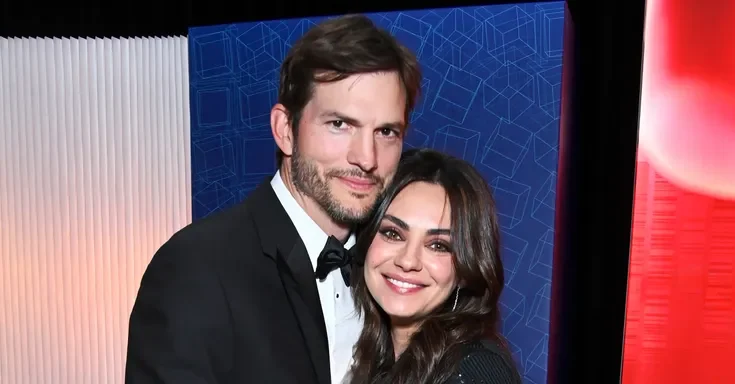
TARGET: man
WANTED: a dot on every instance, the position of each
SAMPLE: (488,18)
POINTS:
(234,298)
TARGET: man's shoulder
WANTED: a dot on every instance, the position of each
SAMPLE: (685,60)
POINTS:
(215,236)
(226,238)
(215,227)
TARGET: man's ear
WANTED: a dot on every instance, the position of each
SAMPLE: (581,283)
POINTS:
(281,129)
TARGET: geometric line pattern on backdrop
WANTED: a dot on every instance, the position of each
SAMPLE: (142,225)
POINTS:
(490,95)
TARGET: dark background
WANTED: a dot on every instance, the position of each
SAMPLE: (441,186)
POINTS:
(599,130)
(81,18)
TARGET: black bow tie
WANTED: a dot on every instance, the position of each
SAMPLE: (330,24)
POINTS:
(333,256)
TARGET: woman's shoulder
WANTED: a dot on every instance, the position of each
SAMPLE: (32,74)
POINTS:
(485,362)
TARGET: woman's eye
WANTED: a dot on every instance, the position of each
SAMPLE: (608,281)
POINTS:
(439,247)
(390,234)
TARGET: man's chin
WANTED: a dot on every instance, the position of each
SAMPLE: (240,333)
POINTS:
(358,200)
(356,216)
(354,213)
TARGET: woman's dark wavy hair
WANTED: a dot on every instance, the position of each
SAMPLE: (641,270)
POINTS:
(433,351)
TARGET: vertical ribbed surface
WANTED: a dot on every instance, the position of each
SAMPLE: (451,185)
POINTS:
(680,316)
(94,177)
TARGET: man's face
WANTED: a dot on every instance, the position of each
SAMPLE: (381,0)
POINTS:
(349,142)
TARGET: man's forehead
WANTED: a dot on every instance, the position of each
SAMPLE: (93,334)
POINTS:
(362,83)
(366,105)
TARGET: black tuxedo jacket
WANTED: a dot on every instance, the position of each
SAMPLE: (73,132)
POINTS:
(233,299)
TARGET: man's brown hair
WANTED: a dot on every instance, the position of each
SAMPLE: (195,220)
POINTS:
(336,49)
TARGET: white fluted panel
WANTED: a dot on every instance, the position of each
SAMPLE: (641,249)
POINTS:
(94,177)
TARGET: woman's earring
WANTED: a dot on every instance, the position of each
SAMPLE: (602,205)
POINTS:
(456,298)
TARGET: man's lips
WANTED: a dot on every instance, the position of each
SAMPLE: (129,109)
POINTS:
(358,183)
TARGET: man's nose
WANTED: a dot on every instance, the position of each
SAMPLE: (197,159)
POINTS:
(362,151)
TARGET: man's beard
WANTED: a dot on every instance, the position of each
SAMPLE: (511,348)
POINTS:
(306,179)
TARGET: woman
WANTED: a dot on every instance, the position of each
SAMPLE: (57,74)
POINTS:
(430,279)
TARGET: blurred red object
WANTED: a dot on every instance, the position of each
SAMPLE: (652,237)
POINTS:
(687,129)
(680,316)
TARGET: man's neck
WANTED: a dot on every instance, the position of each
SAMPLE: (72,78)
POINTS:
(316,212)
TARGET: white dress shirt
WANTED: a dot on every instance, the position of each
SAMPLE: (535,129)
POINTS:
(340,317)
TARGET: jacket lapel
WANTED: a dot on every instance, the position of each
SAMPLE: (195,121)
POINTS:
(281,241)
(300,283)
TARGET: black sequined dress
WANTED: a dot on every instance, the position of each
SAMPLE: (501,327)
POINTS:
(485,363)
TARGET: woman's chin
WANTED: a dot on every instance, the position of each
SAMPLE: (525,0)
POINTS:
(406,317)
(402,316)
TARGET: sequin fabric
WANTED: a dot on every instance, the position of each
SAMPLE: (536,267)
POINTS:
(485,363)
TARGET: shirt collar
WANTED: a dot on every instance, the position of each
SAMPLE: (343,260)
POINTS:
(311,234)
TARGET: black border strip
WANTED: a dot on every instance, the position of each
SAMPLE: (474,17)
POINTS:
(595,190)
(138,18)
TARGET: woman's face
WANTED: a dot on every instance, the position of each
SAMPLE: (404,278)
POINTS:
(408,268)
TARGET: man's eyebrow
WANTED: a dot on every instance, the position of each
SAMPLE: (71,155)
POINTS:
(395,125)
(339,116)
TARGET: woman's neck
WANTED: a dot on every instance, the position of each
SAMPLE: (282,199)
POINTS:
(401,335)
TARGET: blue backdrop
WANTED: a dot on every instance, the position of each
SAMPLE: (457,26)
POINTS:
(491,95)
